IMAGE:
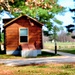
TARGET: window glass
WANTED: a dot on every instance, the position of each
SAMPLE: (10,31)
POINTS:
(23,35)
(23,32)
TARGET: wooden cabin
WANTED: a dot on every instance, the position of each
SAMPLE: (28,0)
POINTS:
(23,35)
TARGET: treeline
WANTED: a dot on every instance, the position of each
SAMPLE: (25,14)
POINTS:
(62,37)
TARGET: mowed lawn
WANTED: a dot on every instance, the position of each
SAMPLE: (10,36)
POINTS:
(42,69)
(61,46)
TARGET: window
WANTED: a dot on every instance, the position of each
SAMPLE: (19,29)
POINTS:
(23,35)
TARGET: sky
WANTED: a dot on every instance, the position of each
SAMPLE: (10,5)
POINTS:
(67,17)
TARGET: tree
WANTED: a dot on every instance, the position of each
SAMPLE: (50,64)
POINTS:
(42,10)
(71,27)
(5,4)
(55,30)
(65,37)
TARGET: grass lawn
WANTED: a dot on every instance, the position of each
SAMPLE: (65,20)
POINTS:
(46,54)
(68,47)
(43,54)
(72,51)
(42,69)
(4,56)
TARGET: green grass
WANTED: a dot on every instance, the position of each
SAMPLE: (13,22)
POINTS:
(40,69)
(72,51)
(46,54)
(4,56)
(68,47)
(43,54)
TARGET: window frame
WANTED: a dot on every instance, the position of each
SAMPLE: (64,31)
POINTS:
(27,35)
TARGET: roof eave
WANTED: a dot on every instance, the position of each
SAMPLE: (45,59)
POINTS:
(19,17)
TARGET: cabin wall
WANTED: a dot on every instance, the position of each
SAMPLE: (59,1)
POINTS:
(12,34)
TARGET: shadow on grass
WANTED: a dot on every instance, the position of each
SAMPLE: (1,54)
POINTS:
(43,54)
(72,51)
(46,54)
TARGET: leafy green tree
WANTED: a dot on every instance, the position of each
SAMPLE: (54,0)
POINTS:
(42,10)
(54,36)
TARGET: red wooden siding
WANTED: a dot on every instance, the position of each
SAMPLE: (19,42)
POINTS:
(12,34)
